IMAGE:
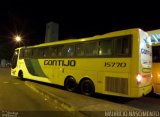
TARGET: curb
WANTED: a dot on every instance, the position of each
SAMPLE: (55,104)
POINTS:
(58,102)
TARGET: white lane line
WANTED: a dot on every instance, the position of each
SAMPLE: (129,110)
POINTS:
(16,83)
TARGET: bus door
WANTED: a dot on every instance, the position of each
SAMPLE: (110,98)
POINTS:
(156,66)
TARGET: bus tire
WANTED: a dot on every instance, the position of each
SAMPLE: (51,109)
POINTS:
(70,84)
(20,75)
(87,87)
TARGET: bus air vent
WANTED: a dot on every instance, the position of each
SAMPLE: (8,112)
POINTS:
(117,85)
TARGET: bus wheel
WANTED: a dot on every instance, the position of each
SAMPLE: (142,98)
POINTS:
(70,84)
(20,75)
(87,87)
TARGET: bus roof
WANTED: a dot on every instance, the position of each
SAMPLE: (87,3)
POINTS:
(106,35)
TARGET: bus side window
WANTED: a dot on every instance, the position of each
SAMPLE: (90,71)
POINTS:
(35,52)
(105,47)
(123,46)
(52,52)
(30,53)
(60,51)
(41,52)
(80,49)
(47,51)
(90,48)
(69,50)
(25,53)
(21,54)
(44,55)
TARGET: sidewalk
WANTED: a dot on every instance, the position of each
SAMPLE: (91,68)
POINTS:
(79,105)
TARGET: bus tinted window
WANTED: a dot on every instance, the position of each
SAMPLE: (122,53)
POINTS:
(156,53)
(90,48)
(39,52)
(60,51)
(69,50)
(21,53)
(35,52)
(52,52)
(105,47)
(44,51)
(80,49)
(30,53)
(25,53)
(123,46)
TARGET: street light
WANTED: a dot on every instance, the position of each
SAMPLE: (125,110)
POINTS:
(18,39)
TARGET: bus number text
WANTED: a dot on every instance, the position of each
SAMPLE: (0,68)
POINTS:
(114,64)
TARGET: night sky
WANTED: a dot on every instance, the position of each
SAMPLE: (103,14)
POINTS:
(75,19)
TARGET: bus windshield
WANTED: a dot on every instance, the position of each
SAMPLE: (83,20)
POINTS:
(14,59)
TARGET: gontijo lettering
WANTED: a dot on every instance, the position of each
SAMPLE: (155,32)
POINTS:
(60,62)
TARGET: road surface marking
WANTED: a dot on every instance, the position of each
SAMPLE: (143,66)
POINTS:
(16,83)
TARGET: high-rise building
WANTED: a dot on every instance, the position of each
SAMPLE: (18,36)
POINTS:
(52,32)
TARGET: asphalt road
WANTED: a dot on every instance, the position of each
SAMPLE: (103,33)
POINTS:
(17,99)
(28,98)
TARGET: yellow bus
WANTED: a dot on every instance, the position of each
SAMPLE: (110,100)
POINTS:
(155,39)
(156,68)
(117,63)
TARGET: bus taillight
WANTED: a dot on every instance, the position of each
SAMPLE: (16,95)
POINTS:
(139,78)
